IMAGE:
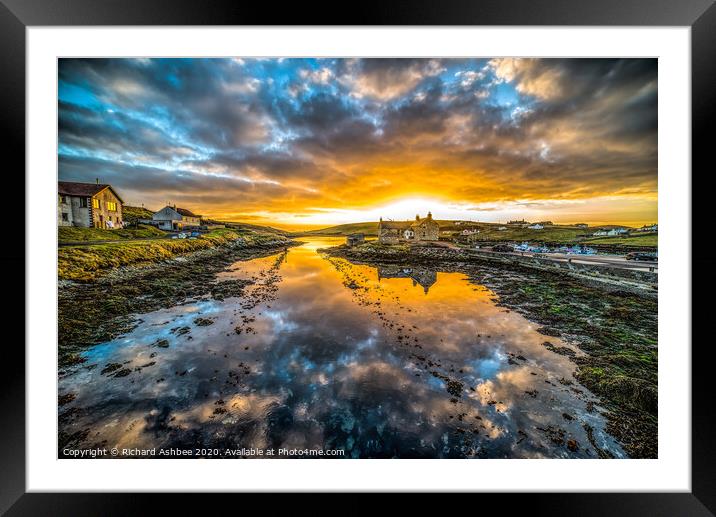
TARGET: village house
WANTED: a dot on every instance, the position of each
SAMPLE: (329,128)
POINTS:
(392,232)
(536,226)
(470,231)
(581,225)
(173,218)
(600,233)
(88,205)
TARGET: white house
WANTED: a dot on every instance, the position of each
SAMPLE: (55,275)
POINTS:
(173,218)
(617,231)
(535,226)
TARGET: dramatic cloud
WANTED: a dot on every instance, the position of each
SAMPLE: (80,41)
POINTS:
(318,141)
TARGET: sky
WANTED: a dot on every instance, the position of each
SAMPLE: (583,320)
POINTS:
(306,143)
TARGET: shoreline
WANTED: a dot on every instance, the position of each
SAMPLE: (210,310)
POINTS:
(641,283)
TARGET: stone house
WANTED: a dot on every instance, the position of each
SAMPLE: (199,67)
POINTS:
(172,218)
(88,205)
(392,232)
(354,239)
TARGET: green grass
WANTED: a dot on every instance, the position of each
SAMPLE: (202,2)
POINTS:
(644,239)
(86,262)
(131,214)
(556,234)
(73,234)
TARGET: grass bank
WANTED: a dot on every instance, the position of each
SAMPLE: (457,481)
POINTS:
(73,234)
(86,263)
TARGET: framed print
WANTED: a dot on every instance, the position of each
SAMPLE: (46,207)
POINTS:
(442,251)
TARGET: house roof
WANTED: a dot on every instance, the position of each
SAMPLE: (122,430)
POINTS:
(185,212)
(424,222)
(71,188)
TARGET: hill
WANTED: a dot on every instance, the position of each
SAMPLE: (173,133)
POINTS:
(640,239)
(247,226)
(345,229)
(131,214)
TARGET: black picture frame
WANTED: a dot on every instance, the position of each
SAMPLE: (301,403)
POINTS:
(700,15)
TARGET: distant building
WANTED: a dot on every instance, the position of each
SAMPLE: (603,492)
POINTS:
(536,226)
(88,205)
(649,228)
(600,233)
(173,218)
(502,228)
(392,232)
(617,231)
(354,239)
(471,231)
(581,225)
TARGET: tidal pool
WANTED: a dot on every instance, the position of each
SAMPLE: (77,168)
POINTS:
(319,354)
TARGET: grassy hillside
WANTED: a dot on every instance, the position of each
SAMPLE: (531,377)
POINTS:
(130,214)
(73,234)
(253,227)
(86,262)
(345,229)
(558,234)
(639,239)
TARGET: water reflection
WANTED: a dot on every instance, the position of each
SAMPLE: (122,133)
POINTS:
(322,353)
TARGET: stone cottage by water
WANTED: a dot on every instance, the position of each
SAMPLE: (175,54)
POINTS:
(393,232)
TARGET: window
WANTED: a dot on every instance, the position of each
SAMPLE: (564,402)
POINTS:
(64,216)
(95,202)
(83,202)
(111,206)
(63,200)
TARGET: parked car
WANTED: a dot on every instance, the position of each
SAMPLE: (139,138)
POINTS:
(639,255)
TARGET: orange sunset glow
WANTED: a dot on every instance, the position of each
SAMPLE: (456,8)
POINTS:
(308,143)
